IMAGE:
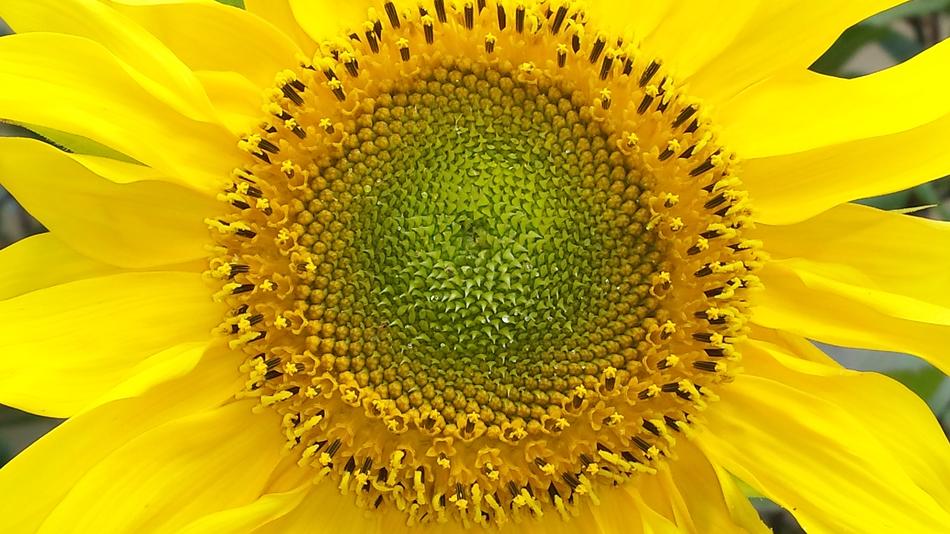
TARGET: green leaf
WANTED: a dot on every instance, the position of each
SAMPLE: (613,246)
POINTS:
(235,3)
(857,37)
(914,8)
(893,201)
(929,194)
(923,381)
(74,143)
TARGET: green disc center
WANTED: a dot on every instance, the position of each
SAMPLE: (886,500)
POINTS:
(491,240)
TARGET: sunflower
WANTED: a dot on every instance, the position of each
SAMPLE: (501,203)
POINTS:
(433,266)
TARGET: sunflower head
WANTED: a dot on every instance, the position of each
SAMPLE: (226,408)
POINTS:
(433,266)
(482,262)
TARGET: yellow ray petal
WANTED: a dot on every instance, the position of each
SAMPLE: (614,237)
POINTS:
(324,505)
(47,81)
(162,367)
(63,347)
(36,480)
(843,451)
(237,100)
(804,110)
(684,34)
(134,224)
(174,474)
(633,19)
(246,518)
(793,187)
(212,36)
(708,500)
(778,37)
(812,300)
(280,14)
(894,253)
(791,344)
(42,261)
(347,16)
(157,69)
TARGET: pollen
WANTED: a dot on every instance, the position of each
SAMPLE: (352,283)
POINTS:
(483,261)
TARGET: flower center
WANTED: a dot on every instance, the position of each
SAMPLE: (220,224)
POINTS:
(482,263)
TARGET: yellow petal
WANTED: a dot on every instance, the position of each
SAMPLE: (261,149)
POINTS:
(632,19)
(132,224)
(215,37)
(281,16)
(37,479)
(237,100)
(790,188)
(153,66)
(805,110)
(891,252)
(324,505)
(684,35)
(174,474)
(791,344)
(778,37)
(843,451)
(77,86)
(312,15)
(164,366)
(706,499)
(42,261)
(63,347)
(819,302)
(246,518)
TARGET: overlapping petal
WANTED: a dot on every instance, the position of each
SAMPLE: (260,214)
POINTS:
(36,480)
(109,210)
(46,82)
(65,346)
(19,265)
(843,451)
(210,36)
(174,474)
(153,65)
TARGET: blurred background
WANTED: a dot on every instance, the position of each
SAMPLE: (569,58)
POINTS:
(875,44)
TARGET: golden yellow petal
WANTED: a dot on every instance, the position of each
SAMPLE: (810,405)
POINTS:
(174,474)
(213,36)
(803,110)
(685,34)
(237,100)
(723,48)
(280,14)
(778,37)
(843,451)
(818,301)
(63,347)
(46,82)
(794,187)
(246,518)
(153,66)
(891,252)
(36,480)
(347,16)
(129,224)
(60,264)
(706,499)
